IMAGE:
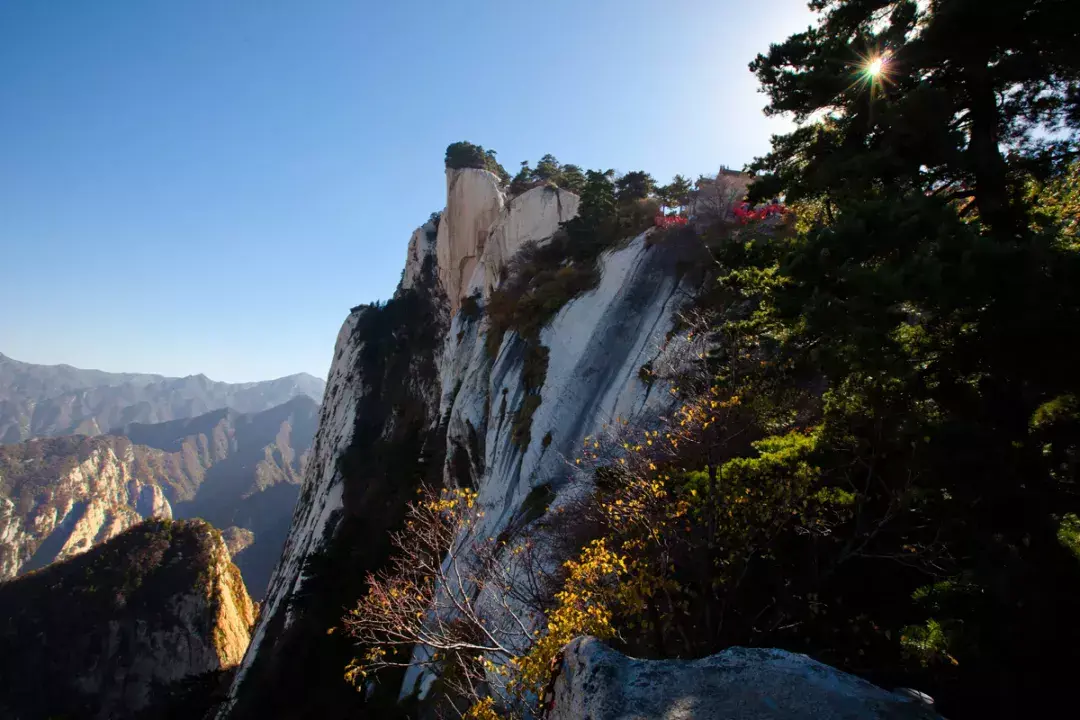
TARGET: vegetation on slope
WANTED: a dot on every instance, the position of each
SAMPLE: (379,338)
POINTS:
(875,461)
(462,155)
(225,467)
(58,621)
(541,279)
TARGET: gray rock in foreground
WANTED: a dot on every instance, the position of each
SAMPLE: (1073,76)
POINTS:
(598,683)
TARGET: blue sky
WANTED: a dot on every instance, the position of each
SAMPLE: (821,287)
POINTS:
(208,186)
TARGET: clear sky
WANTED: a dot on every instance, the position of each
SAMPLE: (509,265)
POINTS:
(209,185)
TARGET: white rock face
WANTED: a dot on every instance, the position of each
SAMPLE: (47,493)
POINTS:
(101,497)
(419,251)
(533,216)
(473,204)
(598,343)
(596,682)
(321,493)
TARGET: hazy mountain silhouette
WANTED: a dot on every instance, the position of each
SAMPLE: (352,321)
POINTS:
(53,400)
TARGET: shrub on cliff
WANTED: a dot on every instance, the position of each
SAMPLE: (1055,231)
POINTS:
(462,155)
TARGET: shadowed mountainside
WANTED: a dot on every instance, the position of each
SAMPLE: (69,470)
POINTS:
(102,634)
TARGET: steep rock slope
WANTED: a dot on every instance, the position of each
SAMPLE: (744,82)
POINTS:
(378,440)
(60,496)
(473,203)
(53,400)
(530,217)
(412,397)
(91,637)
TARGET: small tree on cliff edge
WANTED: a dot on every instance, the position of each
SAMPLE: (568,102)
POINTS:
(463,154)
(636,185)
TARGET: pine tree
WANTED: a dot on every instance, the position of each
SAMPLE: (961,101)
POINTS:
(547,169)
(924,96)
(929,286)
(636,185)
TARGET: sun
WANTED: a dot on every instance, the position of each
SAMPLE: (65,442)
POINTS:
(873,71)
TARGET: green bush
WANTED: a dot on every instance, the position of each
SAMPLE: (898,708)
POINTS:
(541,282)
(462,155)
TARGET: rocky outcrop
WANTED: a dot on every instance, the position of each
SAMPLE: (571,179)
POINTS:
(533,216)
(237,539)
(473,204)
(594,681)
(597,345)
(61,496)
(98,635)
(378,440)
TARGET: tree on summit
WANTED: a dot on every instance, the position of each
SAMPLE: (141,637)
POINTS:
(636,185)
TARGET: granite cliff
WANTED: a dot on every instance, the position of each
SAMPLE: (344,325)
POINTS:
(419,391)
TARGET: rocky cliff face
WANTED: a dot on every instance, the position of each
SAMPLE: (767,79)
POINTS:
(99,635)
(473,204)
(61,496)
(415,395)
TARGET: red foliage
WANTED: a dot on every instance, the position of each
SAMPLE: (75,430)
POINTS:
(666,221)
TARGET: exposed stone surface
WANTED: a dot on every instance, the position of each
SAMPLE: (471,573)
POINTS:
(532,216)
(61,496)
(598,343)
(320,495)
(92,636)
(599,683)
(378,437)
(473,204)
(420,250)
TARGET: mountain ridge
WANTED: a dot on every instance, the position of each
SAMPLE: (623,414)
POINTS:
(54,400)
(102,634)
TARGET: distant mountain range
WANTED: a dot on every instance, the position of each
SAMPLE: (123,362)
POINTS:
(239,471)
(53,400)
